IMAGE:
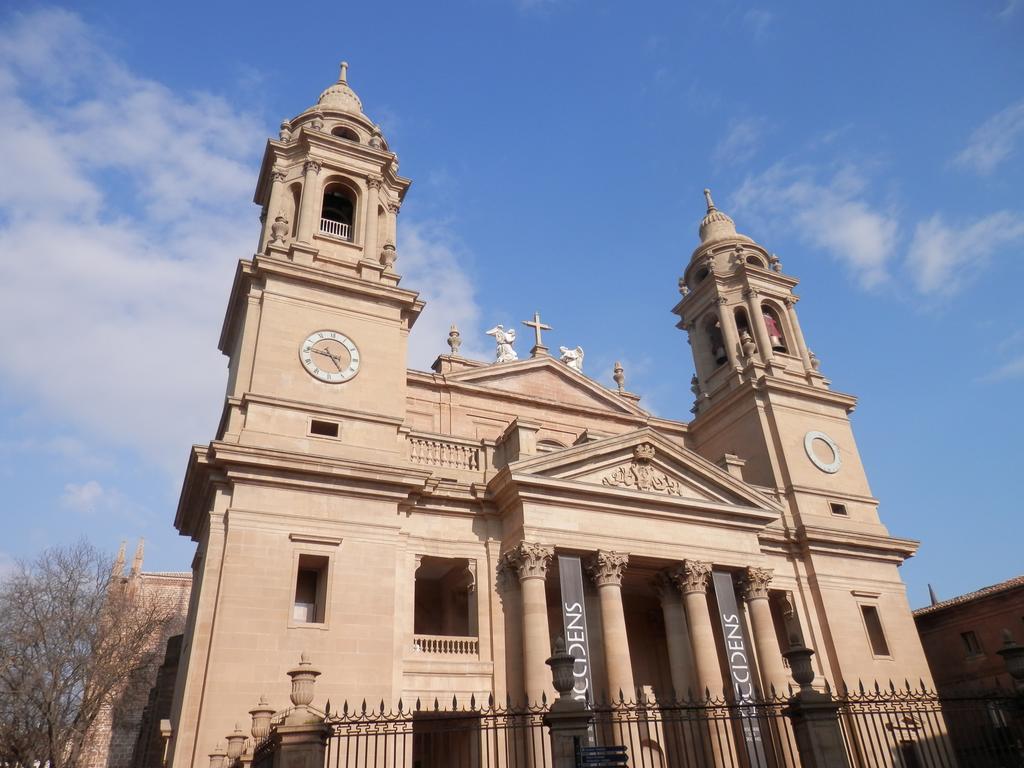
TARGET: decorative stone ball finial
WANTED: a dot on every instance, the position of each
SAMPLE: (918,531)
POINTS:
(303,679)
(454,340)
(619,376)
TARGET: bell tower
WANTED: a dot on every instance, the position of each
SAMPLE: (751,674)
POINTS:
(317,324)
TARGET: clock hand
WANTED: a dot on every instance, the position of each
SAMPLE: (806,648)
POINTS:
(335,360)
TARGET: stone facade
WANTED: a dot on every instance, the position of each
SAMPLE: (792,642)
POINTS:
(112,739)
(403,527)
(961,636)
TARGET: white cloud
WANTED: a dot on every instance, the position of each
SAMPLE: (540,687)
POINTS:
(993,141)
(740,143)
(429,262)
(825,211)
(939,250)
(122,216)
(83,497)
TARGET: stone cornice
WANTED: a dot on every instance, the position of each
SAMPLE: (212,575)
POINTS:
(816,539)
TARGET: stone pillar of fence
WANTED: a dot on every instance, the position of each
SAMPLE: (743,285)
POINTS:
(814,715)
(568,720)
(300,739)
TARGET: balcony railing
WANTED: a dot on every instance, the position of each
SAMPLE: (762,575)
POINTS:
(443,453)
(336,228)
(446,645)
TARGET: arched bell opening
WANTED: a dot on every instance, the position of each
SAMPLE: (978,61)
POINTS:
(344,132)
(292,214)
(716,341)
(755,261)
(337,215)
(773,324)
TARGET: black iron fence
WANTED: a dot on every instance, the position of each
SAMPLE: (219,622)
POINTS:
(877,727)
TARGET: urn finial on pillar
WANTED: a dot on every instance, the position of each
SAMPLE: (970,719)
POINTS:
(261,715)
(303,680)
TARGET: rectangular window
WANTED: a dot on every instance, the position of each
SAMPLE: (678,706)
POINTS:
(310,589)
(323,428)
(971,643)
(873,624)
(838,509)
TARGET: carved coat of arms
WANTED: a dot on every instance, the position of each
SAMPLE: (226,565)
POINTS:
(641,476)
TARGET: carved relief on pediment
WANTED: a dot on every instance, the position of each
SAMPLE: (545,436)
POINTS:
(640,475)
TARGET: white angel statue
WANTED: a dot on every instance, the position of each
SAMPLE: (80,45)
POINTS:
(505,340)
(572,357)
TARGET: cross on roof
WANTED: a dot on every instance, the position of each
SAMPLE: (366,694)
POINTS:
(537,326)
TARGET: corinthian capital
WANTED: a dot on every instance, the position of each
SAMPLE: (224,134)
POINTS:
(756,582)
(374,182)
(312,165)
(530,560)
(692,576)
(278,174)
(607,567)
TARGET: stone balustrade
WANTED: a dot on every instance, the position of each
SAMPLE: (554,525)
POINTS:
(446,645)
(436,451)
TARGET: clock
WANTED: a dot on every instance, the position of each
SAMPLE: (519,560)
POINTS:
(329,356)
(829,467)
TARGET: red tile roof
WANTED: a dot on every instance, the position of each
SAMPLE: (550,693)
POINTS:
(1003,586)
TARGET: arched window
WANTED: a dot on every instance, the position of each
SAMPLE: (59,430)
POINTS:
(742,324)
(716,342)
(344,132)
(293,212)
(338,212)
(773,325)
(754,261)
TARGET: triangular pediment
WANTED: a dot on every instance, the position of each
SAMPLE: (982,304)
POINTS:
(645,462)
(548,380)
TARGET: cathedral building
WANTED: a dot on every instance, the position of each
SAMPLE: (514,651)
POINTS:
(425,534)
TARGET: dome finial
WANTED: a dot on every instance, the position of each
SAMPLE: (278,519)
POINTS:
(343,77)
(711,203)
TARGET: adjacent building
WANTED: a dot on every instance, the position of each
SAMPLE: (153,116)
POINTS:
(961,636)
(409,530)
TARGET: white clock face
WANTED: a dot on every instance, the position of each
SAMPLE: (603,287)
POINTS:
(826,457)
(329,356)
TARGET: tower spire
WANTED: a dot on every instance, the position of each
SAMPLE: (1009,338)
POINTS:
(343,76)
(711,203)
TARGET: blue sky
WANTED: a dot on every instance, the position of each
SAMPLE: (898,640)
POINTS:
(558,151)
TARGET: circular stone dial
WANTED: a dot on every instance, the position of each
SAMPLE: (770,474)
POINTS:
(329,356)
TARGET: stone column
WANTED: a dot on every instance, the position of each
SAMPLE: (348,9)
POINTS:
(273,205)
(531,562)
(730,336)
(798,335)
(769,657)
(309,205)
(757,321)
(677,637)
(371,246)
(692,579)
(605,569)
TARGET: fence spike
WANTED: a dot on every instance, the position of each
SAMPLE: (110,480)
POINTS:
(508,700)
(923,686)
(790,686)
(399,706)
(906,683)
(544,698)
(707,693)
(878,688)
(846,688)
(472,701)
(490,701)
(327,709)
(771,688)
(345,707)
(828,688)
(437,705)
(860,684)
(382,706)
(364,706)
(892,687)
(455,703)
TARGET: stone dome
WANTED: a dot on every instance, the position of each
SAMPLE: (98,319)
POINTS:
(717,225)
(340,96)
